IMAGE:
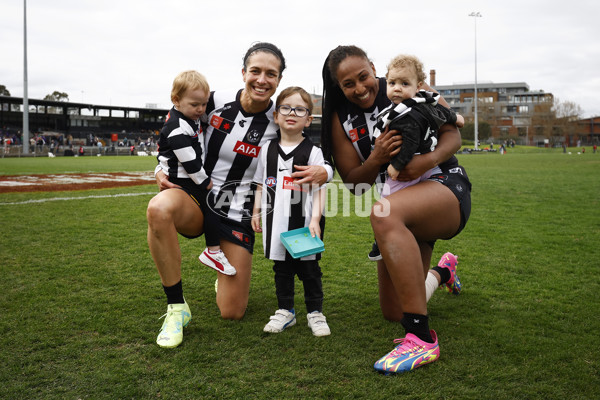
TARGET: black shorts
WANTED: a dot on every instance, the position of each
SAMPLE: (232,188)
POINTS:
(240,233)
(457,181)
(197,193)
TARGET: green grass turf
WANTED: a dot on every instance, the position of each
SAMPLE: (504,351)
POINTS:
(81,298)
(62,165)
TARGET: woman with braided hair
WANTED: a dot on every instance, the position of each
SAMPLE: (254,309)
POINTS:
(408,222)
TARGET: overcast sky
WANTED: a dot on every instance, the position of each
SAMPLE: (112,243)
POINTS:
(127,53)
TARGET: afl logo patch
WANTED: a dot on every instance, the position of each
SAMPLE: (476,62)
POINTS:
(271,181)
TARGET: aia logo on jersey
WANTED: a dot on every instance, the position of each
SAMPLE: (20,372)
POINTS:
(168,116)
(271,181)
(288,183)
(358,133)
(246,149)
(222,124)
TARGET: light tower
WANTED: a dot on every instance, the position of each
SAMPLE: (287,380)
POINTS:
(25,96)
(476,135)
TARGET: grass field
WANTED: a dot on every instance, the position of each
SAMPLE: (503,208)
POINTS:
(81,298)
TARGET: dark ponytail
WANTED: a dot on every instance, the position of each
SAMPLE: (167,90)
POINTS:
(332,94)
(266,47)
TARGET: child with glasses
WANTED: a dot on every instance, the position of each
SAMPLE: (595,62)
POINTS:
(282,205)
(180,157)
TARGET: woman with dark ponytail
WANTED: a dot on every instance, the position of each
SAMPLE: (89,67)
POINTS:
(239,123)
(408,222)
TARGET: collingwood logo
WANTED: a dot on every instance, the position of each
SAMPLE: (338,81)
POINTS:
(253,136)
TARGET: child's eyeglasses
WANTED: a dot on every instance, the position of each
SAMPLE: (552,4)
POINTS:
(287,110)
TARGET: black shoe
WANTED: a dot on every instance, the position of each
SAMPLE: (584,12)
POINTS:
(374,255)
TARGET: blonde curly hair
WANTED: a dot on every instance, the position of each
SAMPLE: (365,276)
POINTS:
(408,61)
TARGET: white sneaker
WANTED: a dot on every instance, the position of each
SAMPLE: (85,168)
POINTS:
(318,323)
(281,320)
(217,261)
(177,317)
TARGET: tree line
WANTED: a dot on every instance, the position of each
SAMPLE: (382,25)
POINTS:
(54,96)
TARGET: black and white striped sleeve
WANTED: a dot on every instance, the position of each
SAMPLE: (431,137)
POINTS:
(186,147)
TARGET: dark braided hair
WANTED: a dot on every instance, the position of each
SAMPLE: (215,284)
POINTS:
(332,93)
(265,47)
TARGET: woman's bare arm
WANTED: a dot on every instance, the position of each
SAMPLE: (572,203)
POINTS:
(348,164)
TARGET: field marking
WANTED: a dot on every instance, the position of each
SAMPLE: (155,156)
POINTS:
(91,197)
(67,179)
(76,198)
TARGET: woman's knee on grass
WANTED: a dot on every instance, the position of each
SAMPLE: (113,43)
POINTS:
(233,313)
(233,291)
(232,300)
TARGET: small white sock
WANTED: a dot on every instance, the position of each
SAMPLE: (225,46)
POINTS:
(431,284)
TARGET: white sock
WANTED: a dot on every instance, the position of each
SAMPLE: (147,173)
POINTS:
(431,284)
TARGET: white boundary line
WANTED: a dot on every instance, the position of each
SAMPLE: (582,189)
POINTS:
(90,197)
(76,198)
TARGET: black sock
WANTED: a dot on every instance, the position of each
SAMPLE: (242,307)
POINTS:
(444,274)
(418,325)
(174,293)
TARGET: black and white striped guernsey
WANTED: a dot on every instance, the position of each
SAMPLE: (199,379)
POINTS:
(359,124)
(233,142)
(418,120)
(180,149)
(285,206)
